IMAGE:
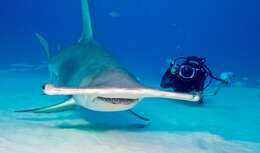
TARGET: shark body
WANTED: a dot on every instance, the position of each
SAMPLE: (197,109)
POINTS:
(94,79)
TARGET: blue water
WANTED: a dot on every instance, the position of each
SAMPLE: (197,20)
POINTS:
(142,35)
(227,33)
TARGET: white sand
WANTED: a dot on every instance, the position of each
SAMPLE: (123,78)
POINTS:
(175,128)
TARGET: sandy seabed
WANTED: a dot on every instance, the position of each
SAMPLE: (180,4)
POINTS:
(226,123)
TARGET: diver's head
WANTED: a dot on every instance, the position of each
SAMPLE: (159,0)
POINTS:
(197,61)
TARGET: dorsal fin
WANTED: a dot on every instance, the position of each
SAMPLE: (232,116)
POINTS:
(87,33)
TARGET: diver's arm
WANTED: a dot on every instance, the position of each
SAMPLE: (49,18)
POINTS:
(215,78)
(218,79)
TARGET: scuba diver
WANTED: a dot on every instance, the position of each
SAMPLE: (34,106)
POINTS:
(188,74)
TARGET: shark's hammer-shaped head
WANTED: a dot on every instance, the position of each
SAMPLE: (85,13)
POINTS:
(115,99)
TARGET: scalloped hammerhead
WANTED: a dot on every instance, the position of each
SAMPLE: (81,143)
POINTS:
(93,79)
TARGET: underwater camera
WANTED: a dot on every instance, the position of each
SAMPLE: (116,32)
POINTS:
(189,68)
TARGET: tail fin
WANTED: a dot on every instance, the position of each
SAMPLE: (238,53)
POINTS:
(44,44)
(87,33)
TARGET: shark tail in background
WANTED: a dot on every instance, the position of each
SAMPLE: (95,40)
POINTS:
(45,45)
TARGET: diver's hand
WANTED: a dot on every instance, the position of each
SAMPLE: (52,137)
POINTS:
(225,82)
(170,60)
(174,69)
(226,77)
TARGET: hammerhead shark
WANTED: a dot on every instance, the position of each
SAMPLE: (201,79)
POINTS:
(93,79)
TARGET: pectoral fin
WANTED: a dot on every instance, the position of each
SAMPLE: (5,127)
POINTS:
(64,106)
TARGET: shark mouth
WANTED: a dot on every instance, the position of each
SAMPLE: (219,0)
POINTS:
(125,101)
